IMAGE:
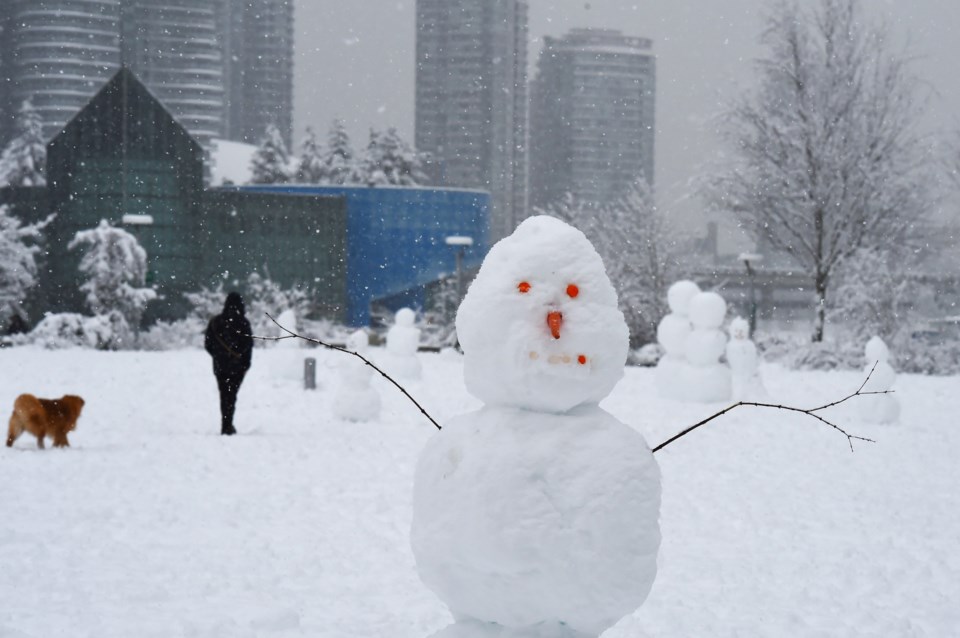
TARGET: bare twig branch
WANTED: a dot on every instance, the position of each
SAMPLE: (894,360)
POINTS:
(293,335)
(809,412)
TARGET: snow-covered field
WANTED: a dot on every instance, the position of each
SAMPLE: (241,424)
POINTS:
(153,525)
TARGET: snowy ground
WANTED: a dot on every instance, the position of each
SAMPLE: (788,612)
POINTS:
(152,525)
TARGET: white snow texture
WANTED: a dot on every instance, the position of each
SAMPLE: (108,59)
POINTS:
(538,512)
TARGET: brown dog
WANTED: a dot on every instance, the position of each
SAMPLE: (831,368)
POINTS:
(44,417)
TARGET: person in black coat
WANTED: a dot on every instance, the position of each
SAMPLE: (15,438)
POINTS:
(228,340)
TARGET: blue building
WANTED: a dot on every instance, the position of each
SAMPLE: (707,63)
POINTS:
(396,239)
(125,159)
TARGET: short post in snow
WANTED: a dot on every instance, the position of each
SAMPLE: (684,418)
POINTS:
(310,373)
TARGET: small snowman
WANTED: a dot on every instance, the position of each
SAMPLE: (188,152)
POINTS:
(537,515)
(879,408)
(706,379)
(286,360)
(744,363)
(356,400)
(672,333)
(400,355)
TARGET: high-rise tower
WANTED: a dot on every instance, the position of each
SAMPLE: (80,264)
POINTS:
(57,53)
(172,46)
(258,68)
(471,99)
(592,133)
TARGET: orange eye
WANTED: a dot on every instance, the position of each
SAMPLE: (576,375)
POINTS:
(523,286)
(572,290)
(582,360)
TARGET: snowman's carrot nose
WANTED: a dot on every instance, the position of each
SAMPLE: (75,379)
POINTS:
(554,320)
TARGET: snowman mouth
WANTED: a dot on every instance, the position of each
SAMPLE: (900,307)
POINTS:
(559,359)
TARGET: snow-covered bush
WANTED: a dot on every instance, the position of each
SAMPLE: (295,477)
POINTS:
(173,335)
(116,269)
(264,296)
(24,159)
(18,264)
(71,330)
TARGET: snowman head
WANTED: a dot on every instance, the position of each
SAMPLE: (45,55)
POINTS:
(358,341)
(680,294)
(739,329)
(876,350)
(540,327)
(404,317)
(707,310)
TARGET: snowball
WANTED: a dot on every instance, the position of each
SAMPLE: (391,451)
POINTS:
(511,356)
(287,319)
(522,517)
(672,333)
(704,347)
(742,356)
(882,409)
(680,294)
(876,350)
(707,310)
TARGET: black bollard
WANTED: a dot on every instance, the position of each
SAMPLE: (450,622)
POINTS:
(309,373)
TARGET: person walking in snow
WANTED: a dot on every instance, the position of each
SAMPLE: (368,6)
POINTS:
(228,340)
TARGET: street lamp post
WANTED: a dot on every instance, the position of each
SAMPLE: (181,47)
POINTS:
(461,242)
(747,258)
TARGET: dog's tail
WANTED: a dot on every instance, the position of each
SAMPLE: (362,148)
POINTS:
(15,429)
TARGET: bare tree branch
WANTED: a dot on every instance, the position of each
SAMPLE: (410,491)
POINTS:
(293,335)
(809,412)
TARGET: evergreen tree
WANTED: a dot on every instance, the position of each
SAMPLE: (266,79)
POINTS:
(388,159)
(271,162)
(18,265)
(311,168)
(338,161)
(24,159)
(116,269)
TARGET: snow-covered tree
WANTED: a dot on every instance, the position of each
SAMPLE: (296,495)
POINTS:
(18,262)
(826,154)
(264,296)
(310,169)
(24,159)
(116,269)
(338,159)
(388,159)
(638,249)
(270,163)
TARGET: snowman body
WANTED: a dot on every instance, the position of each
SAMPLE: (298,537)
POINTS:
(707,380)
(879,408)
(356,399)
(403,341)
(672,334)
(744,363)
(539,510)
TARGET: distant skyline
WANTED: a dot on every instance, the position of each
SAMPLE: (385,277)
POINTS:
(356,61)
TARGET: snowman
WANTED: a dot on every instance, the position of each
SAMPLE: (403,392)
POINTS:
(403,339)
(286,359)
(879,408)
(537,515)
(672,333)
(743,362)
(356,400)
(706,380)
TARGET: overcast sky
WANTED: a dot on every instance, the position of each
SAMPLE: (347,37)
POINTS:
(355,61)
